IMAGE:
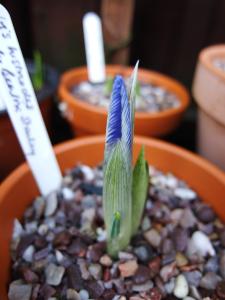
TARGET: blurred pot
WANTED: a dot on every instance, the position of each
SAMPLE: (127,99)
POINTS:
(10,151)
(86,119)
(209,93)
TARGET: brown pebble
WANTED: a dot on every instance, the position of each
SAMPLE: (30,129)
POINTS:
(29,276)
(155,294)
(62,239)
(220,289)
(77,248)
(106,275)
(46,291)
(142,274)
(94,288)
(128,268)
(95,252)
(154,266)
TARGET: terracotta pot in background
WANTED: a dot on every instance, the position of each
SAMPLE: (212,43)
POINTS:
(208,181)
(88,119)
(10,152)
(209,93)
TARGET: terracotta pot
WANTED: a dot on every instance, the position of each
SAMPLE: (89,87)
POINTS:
(209,93)
(10,152)
(208,181)
(89,119)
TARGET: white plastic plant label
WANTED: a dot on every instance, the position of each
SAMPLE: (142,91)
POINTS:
(94,49)
(2,105)
(18,95)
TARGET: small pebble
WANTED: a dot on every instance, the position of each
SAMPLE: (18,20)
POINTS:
(142,274)
(222,264)
(209,281)
(181,288)
(125,255)
(18,291)
(106,261)
(51,204)
(169,286)
(188,219)
(17,229)
(146,223)
(88,173)
(67,193)
(220,290)
(42,229)
(153,237)
(212,264)
(128,268)
(143,252)
(193,277)
(84,295)
(142,287)
(181,260)
(28,253)
(59,256)
(200,244)
(54,274)
(168,272)
(95,270)
(185,194)
(206,214)
(72,294)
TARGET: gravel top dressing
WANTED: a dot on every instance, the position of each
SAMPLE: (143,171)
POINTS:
(150,98)
(59,249)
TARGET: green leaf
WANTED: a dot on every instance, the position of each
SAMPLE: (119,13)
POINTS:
(37,76)
(116,225)
(139,189)
(108,85)
(132,92)
(117,198)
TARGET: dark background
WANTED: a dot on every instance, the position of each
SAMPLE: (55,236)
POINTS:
(167,36)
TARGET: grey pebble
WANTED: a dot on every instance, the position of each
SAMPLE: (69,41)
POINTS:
(193,277)
(18,291)
(54,274)
(209,281)
(142,287)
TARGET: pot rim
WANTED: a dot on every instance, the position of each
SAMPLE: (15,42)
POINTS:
(207,55)
(202,163)
(148,76)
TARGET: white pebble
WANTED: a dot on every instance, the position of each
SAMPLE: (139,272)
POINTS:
(84,295)
(185,194)
(101,234)
(43,229)
(17,229)
(54,274)
(51,204)
(28,253)
(59,256)
(67,193)
(88,173)
(189,298)
(181,288)
(200,244)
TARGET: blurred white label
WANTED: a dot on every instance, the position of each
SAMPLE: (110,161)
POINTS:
(18,95)
(94,49)
(2,105)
